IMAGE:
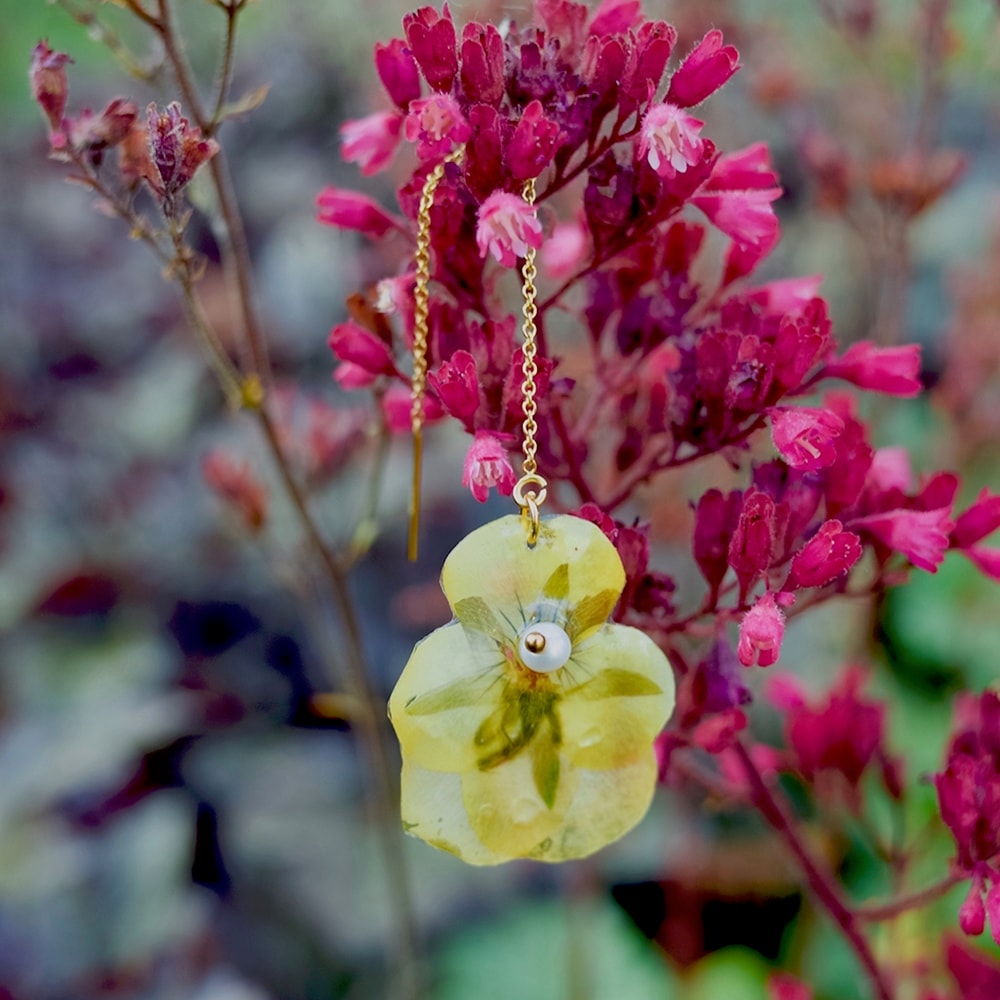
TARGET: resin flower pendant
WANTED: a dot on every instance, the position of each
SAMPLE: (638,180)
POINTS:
(526,724)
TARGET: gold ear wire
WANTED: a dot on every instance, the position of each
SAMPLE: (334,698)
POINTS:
(421,301)
(531,488)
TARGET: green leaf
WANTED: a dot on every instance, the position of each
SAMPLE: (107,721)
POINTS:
(462,693)
(615,683)
(475,613)
(545,769)
(557,586)
(591,611)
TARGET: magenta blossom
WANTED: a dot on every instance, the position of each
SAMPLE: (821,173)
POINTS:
(507,226)
(487,465)
(705,69)
(830,553)
(920,535)
(350,210)
(564,252)
(371,141)
(762,630)
(361,347)
(669,140)
(804,436)
(746,216)
(892,370)
(437,125)
(49,86)
(397,409)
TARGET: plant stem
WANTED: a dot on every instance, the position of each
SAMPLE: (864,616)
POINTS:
(820,880)
(910,901)
(372,721)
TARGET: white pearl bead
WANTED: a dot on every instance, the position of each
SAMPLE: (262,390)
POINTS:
(555,651)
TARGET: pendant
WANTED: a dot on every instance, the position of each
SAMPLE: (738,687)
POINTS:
(526,724)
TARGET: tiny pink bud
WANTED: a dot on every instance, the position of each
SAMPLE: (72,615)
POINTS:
(49,86)
(746,216)
(486,466)
(353,343)
(830,553)
(972,914)
(431,37)
(533,143)
(705,69)
(397,69)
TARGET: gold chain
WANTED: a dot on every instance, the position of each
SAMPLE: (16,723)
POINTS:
(421,300)
(531,488)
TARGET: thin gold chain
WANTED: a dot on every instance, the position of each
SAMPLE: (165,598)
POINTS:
(421,300)
(530,490)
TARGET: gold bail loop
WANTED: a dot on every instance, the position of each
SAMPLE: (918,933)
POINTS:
(531,489)
(421,309)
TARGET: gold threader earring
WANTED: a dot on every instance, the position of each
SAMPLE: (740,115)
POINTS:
(526,724)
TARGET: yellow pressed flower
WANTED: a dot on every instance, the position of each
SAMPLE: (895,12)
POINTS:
(526,725)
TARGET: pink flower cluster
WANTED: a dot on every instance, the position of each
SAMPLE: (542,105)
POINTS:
(681,356)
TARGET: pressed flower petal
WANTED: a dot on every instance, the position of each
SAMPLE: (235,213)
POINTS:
(517,574)
(433,809)
(506,809)
(448,688)
(623,696)
(606,805)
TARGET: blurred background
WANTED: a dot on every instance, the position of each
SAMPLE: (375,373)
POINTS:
(178,818)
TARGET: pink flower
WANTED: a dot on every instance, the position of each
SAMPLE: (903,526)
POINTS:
(431,37)
(830,553)
(782,987)
(533,143)
(361,347)
(457,384)
(507,226)
(752,544)
(351,210)
(234,482)
(743,170)
(804,436)
(843,733)
(487,465)
(436,124)
(920,535)
(371,141)
(397,69)
(707,67)
(972,914)
(483,63)
(746,216)
(397,409)
(890,470)
(669,140)
(980,520)
(565,250)
(761,632)
(49,86)
(892,370)
(176,150)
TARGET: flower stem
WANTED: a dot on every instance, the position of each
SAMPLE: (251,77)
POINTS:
(820,880)
(911,901)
